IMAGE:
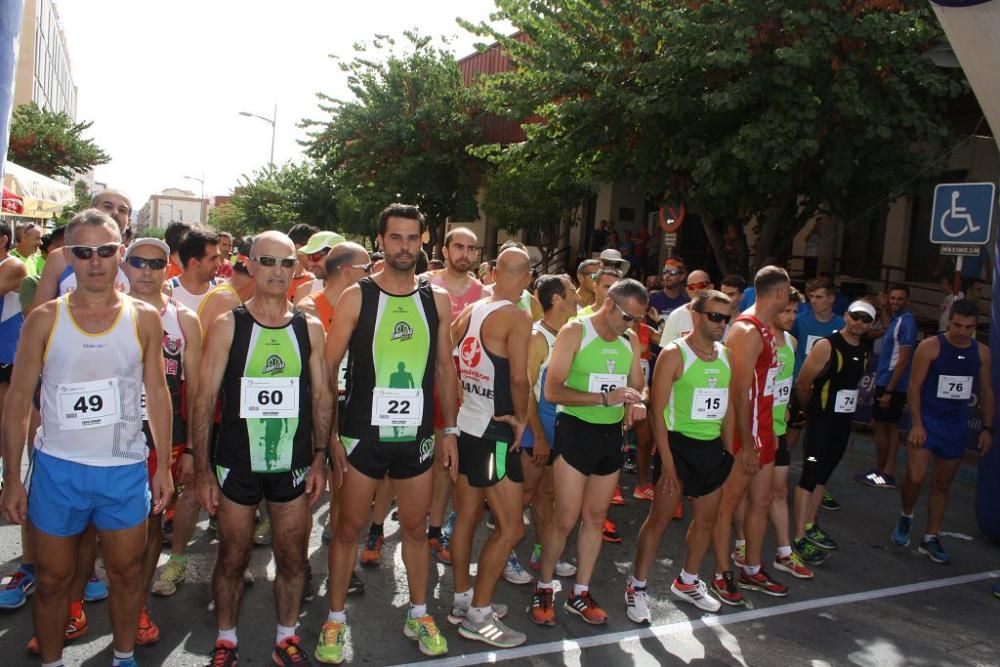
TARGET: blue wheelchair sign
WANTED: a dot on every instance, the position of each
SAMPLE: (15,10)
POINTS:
(962,213)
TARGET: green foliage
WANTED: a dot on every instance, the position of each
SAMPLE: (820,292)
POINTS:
(770,110)
(82,200)
(403,137)
(51,143)
(151,232)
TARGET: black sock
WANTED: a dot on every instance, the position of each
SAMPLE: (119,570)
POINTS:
(375,529)
(433,532)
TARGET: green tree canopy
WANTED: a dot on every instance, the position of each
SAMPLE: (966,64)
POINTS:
(771,111)
(51,143)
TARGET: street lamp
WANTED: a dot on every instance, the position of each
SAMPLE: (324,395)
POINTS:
(273,120)
(200,180)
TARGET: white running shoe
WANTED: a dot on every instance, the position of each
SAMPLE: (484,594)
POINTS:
(514,573)
(635,605)
(564,569)
(696,594)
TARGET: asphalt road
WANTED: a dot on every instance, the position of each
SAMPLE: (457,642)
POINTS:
(870,604)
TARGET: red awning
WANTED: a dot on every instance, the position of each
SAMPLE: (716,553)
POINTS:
(12,203)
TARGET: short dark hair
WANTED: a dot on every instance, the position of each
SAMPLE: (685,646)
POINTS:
(629,288)
(964,308)
(397,210)
(770,278)
(794,295)
(174,234)
(458,230)
(92,217)
(547,287)
(194,243)
(585,263)
(300,233)
(422,262)
(899,287)
(243,247)
(706,295)
(734,280)
(5,231)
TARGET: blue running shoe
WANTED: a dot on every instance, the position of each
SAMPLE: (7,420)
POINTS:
(901,534)
(95,589)
(931,547)
(129,662)
(15,592)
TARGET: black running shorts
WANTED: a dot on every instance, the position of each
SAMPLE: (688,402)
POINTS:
(702,465)
(249,488)
(399,460)
(593,449)
(485,461)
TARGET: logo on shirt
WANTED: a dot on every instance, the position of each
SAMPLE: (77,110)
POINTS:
(171,346)
(712,382)
(402,331)
(273,365)
(610,364)
(472,351)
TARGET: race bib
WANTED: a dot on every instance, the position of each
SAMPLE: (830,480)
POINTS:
(810,341)
(782,391)
(269,398)
(709,404)
(606,382)
(772,373)
(955,387)
(846,401)
(89,404)
(397,407)
(142,407)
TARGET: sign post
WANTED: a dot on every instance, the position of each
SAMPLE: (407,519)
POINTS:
(961,220)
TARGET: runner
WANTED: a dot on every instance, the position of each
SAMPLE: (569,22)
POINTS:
(173,235)
(680,322)
(754,368)
(267,360)
(585,275)
(238,289)
(225,255)
(344,266)
(603,281)
(595,377)
(827,385)
(199,253)
(400,348)
(693,436)
(313,255)
(146,268)
(94,350)
(945,368)
(673,294)
(493,343)
(300,235)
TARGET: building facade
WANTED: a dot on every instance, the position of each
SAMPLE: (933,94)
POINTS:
(172,205)
(43,72)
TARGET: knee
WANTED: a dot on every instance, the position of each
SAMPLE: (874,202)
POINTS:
(53,582)
(232,558)
(594,517)
(942,485)
(348,527)
(512,534)
(704,523)
(762,501)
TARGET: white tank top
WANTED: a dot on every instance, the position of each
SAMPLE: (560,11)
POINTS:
(186,298)
(550,338)
(477,371)
(91,388)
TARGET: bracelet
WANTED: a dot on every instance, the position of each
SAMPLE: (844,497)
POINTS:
(604,398)
(451,430)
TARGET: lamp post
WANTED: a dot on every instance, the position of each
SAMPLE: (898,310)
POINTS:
(273,120)
(200,180)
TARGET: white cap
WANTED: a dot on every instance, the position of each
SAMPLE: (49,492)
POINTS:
(612,256)
(147,240)
(860,306)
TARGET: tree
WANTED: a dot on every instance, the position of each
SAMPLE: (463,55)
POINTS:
(51,143)
(771,112)
(403,138)
(81,192)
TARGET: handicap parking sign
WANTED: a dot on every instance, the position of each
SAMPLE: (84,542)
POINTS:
(962,213)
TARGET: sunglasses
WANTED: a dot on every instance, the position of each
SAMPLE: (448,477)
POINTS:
(367,268)
(698,286)
(87,251)
(143,262)
(625,316)
(318,255)
(864,318)
(267,260)
(672,272)
(716,318)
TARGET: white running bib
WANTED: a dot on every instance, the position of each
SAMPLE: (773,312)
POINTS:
(397,407)
(772,373)
(606,382)
(709,404)
(810,341)
(846,401)
(142,407)
(782,391)
(92,404)
(269,398)
(955,387)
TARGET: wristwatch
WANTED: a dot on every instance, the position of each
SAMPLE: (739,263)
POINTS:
(451,430)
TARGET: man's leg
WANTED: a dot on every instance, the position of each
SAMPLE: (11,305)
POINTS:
(55,562)
(123,559)
(86,558)
(290,522)
(543,503)
(594,509)
(699,534)
(354,506)
(154,544)
(755,521)
(886,446)
(236,524)
(412,515)
(944,473)
(468,507)
(568,504)
(661,511)
(778,511)
(643,454)
(440,493)
(507,504)
(917,463)
(733,493)
(185,517)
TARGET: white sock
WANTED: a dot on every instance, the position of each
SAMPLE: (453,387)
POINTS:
(740,543)
(784,552)
(751,569)
(580,589)
(636,583)
(418,610)
(545,586)
(463,599)
(121,657)
(687,578)
(283,633)
(908,516)
(57,663)
(479,614)
(338,616)
(227,635)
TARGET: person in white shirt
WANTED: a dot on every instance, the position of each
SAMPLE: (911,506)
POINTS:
(680,323)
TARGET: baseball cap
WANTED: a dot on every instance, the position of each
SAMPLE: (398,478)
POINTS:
(862,307)
(320,241)
(612,256)
(147,240)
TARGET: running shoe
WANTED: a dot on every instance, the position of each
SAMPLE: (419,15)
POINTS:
(876,480)
(173,574)
(635,605)
(643,492)
(95,589)
(696,594)
(829,503)
(356,586)
(128,662)
(793,565)
(542,610)
(439,549)
(514,573)
(371,554)
(564,569)
(809,552)
(739,555)
(726,590)
(610,532)
(449,524)
(586,607)
(617,499)
(262,533)
(901,533)
(763,583)
(817,536)
(460,608)
(332,638)
(490,521)
(535,561)
(76,627)
(15,592)
(425,632)
(288,652)
(148,632)
(492,632)
(679,512)
(225,654)
(931,547)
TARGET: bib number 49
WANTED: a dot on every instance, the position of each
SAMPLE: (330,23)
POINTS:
(92,403)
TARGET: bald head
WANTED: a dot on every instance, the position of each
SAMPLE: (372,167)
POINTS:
(114,203)
(343,255)
(512,272)
(698,276)
(273,243)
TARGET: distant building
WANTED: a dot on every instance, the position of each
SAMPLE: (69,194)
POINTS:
(43,67)
(172,205)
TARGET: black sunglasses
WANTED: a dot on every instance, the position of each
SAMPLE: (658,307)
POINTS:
(143,262)
(864,318)
(716,317)
(672,272)
(267,260)
(87,251)
(625,315)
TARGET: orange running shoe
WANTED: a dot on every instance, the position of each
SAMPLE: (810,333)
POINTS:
(609,533)
(439,548)
(76,627)
(148,632)
(371,553)
(617,499)
(584,606)
(542,611)
(679,512)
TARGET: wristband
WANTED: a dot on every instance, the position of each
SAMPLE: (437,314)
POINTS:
(451,430)
(604,398)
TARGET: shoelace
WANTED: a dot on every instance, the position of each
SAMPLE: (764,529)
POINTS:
(544,597)
(331,632)
(221,654)
(291,649)
(426,624)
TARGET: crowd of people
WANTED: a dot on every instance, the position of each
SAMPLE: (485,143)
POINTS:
(253,378)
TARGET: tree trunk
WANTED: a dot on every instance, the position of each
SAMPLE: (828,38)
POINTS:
(718,244)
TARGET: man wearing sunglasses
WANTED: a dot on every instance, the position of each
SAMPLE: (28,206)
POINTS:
(828,386)
(94,350)
(585,275)
(146,267)
(395,328)
(344,266)
(680,323)
(313,255)
(673,295)
(266,358)
(596,379)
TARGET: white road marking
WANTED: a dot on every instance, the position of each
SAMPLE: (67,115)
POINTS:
(708,621)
